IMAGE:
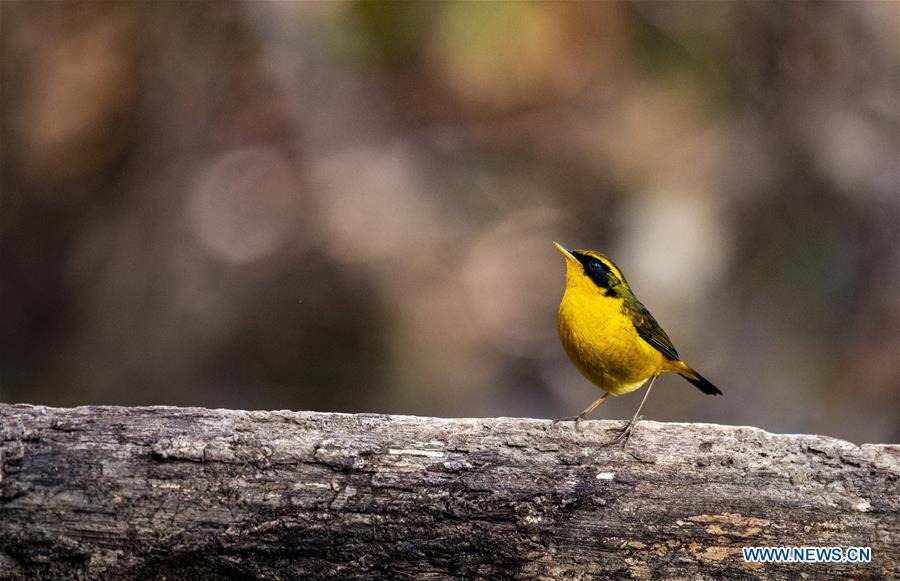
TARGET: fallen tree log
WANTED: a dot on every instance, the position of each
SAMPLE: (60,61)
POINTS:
(188,493)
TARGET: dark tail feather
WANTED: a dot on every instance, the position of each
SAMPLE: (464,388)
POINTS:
(702,384)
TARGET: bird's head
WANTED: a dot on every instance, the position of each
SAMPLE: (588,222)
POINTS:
(586,268)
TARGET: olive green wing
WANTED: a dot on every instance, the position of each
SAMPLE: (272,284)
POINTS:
(648,329)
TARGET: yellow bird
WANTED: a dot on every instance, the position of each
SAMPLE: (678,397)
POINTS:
(612,338)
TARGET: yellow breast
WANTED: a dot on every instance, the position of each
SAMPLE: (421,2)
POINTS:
(601,340)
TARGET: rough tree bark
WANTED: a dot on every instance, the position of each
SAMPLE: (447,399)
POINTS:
(186,493)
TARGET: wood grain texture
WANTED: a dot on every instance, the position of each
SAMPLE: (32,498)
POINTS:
(188,493)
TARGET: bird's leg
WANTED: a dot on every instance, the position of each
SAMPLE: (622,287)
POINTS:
(626,431)
(584,414)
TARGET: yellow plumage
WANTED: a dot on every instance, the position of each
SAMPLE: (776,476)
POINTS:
(609,335)
(600,340)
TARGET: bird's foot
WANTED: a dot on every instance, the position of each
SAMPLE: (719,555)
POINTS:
(577,419)
(624,433)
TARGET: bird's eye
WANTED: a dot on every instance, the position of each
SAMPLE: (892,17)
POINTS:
(595,265)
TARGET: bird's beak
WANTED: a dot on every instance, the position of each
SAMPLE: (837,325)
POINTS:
(566,252)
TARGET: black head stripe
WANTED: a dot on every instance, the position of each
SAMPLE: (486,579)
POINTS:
(602,276)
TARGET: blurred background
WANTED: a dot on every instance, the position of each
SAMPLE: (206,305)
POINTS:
(350,206)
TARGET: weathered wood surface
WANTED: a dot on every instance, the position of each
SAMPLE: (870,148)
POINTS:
(187,493)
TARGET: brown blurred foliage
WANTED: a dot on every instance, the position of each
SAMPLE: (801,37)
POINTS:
(349,206)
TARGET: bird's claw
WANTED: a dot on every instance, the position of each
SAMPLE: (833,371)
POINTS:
(631,424)
(624,432)
(577,419)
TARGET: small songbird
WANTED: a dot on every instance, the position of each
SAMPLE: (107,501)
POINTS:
(612,338)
